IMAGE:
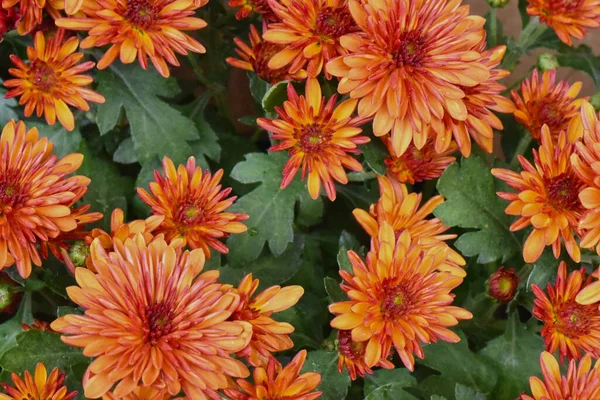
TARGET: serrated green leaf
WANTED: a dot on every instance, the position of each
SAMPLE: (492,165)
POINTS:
(457,362)
(157,128)
(581,58)
(334,384)
(10,329)
(258,87)
(472,203)
(389,384)
(7,107)
(463,392)
(65,142)
(270,208)
(438,385)
(515,355)
(275,96)
(207,146)
(375,154)
(125,153)
(40,346)
(332,287)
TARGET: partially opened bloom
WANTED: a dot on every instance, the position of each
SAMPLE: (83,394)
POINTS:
(546,102)
(270,383)
(40,386)
(581,382)
(247,7)
(148,312)
(193,206)
(268,335)
(35,195)
(591,293)
(398,298)
(569,327)
(585,162)
(418,165)
(9,18)
(31,12)
(351,355)
(319,137)
(402,211)
(503,284)
(547,198)
(310,31)
(256,58)
(140,29)
(569,18)
(52,80)
(409,65)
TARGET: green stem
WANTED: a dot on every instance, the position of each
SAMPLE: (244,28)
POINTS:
(493,40)
(520,150)
(527,39)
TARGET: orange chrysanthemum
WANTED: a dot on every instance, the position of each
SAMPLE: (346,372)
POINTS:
(547,198)
(32,12)
(397,298)
(569,18)
(256,57)
(410,64)
(142,393)
(193,204)
(246,7)
(40,386)
(546,102)
(269,383)
(586,126)
(479,101)
(268,335)
(418,165)
(35,195)
(140,28)
(52,80)
(149,305)
(569,327)
(319,137)
(310,30)
(352,356)
(591,293)
(9,18)
(401,211)
(580,383)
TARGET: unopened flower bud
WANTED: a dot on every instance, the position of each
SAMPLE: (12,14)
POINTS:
(498,3)
(9,298)
(547,61)
(503,284)
(79,252)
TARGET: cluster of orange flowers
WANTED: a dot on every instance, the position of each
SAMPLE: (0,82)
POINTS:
(154,323)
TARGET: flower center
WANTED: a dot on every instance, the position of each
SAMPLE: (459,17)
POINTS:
(548,111)
(43,76)
(563,192)
(189,214)
(409,49)
(259,6)
(157,321)
(141,13)
(11,194)
(313,139)
(333,22)
(396,302)
(505,285)
(348,348)
(264,52)
(560,7)
(573,319)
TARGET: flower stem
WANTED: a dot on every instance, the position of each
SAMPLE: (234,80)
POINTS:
(520,150)
(527,40)
(493,40)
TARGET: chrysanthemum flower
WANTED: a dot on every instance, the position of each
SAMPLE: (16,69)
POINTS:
(193,204)
(547,198)
(52,80)
(9,18)
(580,383)
(142,393)
(35,195)
(546,102)
(246,7)
(479,101)
(587,126)
(591,293)
(418,165)
(40,386)
(256,57)
(268,336)
(140,28)
(569,327)
(152,319)
(401,211)
(409,65)
(31,12)
(569,19)
(319,137)
(287,384)
(310,30)
(352,356)
(398,299)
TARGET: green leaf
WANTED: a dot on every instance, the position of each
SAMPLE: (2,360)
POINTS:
(438,385)
(10,329)
(310,212)
(7,107)
(544,270)
(61,311)
(125,153)
(581,58)
(466,393)
(269,269)
(458,363)
(275,96)
(515,355)
(270,208)
(40,346)
(65,142)
(436,397)
(146,175)
(375,154)
(108,190)
(207,147)
(334,384)
(157,128)
(387,384)
(471,202)
(347,242)
(332,287)
(258,87)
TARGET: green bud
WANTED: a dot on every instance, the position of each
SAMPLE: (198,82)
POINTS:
(498,3)
(7,297)
(547,61)
(79,252)
(595,101)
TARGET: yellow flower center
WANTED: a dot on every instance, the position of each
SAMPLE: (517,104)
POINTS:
(396,301)
(572,319)
(313,139)
(409,49)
